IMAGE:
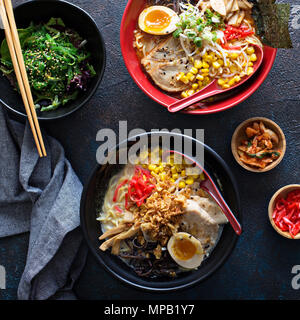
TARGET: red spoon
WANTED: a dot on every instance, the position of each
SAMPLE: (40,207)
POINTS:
(213,88)
(210,187)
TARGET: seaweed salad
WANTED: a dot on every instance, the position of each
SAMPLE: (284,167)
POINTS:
(56,60)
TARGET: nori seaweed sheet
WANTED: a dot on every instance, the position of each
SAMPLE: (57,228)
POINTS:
(272,22)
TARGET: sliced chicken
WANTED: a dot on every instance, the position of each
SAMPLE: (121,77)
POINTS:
(196,222)
(212,209)
(208,209)
(202,218)
(193,207)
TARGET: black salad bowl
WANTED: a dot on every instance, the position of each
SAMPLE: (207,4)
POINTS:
(92,200)
(38,11)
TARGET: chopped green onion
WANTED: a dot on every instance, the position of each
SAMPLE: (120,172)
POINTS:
(177,33)
(191,34)
(198,42)
(200,27)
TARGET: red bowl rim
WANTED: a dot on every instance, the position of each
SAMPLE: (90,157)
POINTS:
(235,100)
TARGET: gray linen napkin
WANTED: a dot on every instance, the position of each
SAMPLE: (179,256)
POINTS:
(41,196)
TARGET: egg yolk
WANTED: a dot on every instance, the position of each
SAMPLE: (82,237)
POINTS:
(157,20)
(184,249)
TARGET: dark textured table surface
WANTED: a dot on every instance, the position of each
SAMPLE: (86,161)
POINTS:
(261,263)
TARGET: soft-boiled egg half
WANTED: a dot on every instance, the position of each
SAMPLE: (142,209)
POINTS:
(158,20)
(186,250)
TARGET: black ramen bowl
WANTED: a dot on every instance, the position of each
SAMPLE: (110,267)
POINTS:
(91,203)
(75,18)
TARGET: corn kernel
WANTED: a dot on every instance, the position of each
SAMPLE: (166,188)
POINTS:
(190,92)
(253,57)
(151,167)
(198,64)
(189,181)
(200,84)
(250,50)
(190,76)
(208,58)
(216,65)
(174,170)
(231,82)
(205,70)
(183,173)
(194,70)
(207,79)
(202,176)
(153,173)
(226,86)
(156,170)
(184,79)
(161,168)
(249,71)
(250,64)
(237,78)
(205,65)
(162,176)
(181,184)
(199,77)
(221,62)
(233,55)
(195,86)
(178,167)
(233,69)
(221,82)
(172,180)
(184,94)
(179,76)
(175,176)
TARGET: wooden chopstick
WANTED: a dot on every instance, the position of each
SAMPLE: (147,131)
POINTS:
(12,37)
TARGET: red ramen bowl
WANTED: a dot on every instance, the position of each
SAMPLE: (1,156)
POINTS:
(219,103)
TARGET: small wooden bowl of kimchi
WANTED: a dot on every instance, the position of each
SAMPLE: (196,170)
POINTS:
(284,211)
(258,144)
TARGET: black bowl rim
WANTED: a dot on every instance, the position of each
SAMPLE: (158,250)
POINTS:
(24,115)
(95,252)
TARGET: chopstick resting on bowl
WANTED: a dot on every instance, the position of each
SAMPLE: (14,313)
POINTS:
(13,42)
